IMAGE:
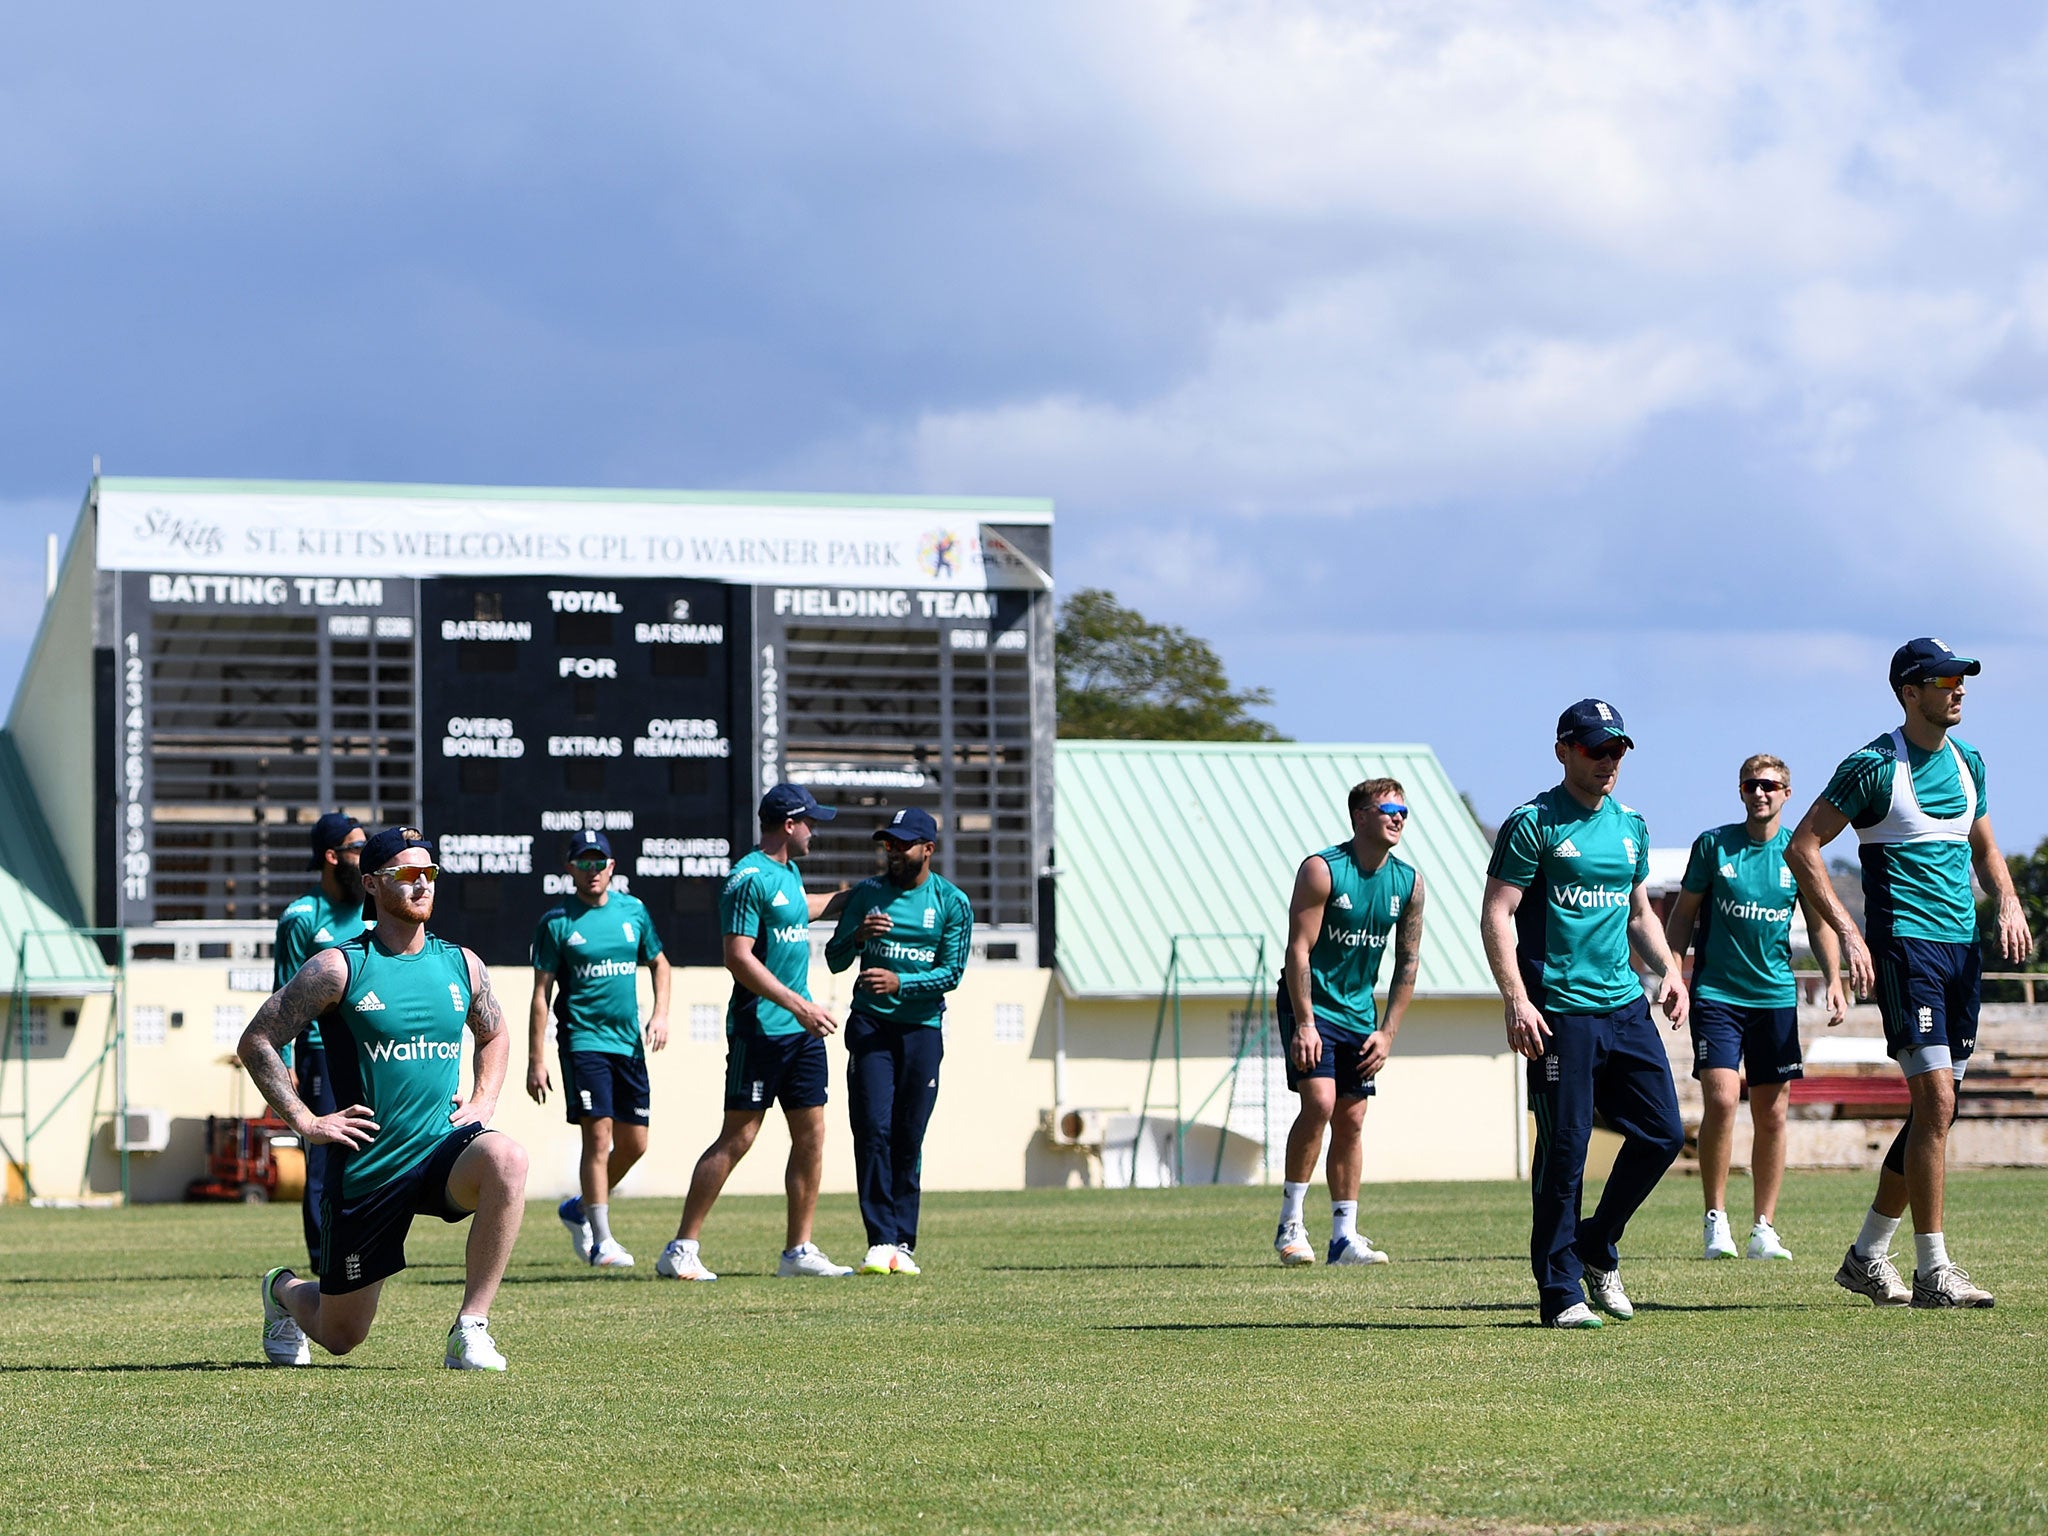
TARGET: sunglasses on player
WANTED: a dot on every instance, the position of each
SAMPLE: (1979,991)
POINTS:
(411,874)
(1606,752)
(1761,786)
(589,866)
(1942,682)
(1393,808)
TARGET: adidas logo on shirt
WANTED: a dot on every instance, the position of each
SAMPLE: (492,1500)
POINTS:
(323,937)
(575,941)
(1727,871)
(781,899)
(1565,850)
(371,1003)
(1343,902)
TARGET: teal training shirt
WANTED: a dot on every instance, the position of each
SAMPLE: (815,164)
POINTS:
(308,925)
(1916,889)
(595,954)
(1358,925)
(931,930)
(763,900)
(1743,947)
(1579,869)
(394,1042)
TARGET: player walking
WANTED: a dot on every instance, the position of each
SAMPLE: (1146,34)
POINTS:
(592,946)
(393,1002)
(1348,902)
(329,914)
(774,1035)
(1920,833)
(1736,899)
(1576,1010)
(911,930)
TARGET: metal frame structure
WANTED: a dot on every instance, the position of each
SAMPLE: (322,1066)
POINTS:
(111,983)
(1184,951)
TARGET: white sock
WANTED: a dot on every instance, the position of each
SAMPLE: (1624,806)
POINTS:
(600,1219)
(1343,1220)
(1720,1218)
(1875,1240)
(1930,1252)
(470,1317)
(687,1244)
(1291,1196)
(1763,1224)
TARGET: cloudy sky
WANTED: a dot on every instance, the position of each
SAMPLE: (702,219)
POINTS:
(1441,362)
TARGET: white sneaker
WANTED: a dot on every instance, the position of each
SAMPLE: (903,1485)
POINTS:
(471,1348)
(881,1260)
(809,1261)
(1605,1288)
(679,1261)
(1717,1238)
(1577,1315)
(1764,1244)
(570,1214)
(609,1254)
(1292,1244)
(284,1342)
(1354,1250)
(903,1263)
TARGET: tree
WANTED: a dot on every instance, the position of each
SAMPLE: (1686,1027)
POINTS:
(1126,679)
(2030,884)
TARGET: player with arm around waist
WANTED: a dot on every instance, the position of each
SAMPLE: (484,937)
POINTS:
(1563,912)
(1349,902)
(1736,900)
(1918,800)
(394,1002)
(911,930)
(593,946)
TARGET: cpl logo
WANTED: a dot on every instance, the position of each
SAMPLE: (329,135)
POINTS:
(939,553)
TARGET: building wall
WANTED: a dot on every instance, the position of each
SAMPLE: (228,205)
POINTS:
(52,717)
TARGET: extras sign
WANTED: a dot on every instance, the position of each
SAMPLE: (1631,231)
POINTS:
(287,534)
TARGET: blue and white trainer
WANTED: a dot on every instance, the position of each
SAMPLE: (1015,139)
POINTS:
(1292,1244)
(1354,1250)
(808,1261)
(570,1211)
(681,1261)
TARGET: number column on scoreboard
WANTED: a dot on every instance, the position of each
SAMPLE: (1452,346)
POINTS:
(556,705)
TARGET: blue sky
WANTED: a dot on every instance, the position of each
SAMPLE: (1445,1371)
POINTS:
(1441,362)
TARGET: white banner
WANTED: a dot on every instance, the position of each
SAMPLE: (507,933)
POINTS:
(291,534)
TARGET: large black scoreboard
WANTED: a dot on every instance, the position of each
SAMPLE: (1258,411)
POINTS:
(504,710)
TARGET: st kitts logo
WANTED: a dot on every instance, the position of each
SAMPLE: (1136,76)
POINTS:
(939,553)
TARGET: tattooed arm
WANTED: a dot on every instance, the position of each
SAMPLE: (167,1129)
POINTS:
(1407,954)
(493,1047)
(316,987)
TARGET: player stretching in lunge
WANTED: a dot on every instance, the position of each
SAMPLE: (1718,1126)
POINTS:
(329,914)
(1737,897)
(393,1002)
(774,1036)
(1920,832)
(1564,906)
(1348,902)
(594,944)
(911,930)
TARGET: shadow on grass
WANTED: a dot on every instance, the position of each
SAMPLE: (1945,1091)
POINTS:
(1057,1269)
(180,1365)
(1641,1306)
(1350,1327)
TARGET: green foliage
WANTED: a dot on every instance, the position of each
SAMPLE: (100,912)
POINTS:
(2030,882)
(1085,1361)
(1126,679)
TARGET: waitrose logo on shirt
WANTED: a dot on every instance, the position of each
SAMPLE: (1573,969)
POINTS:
(418,1048)
(1587,897)
(1754,911)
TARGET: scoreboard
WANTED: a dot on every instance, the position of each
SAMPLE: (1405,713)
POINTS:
(506,669)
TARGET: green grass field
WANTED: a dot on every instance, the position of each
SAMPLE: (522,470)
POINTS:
(1069,1361)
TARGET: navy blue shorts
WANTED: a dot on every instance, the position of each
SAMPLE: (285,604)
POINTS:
(1928,993)
(760,1070)
(362,1237)
(1338,1061)
(1728,1034)
(601,1085)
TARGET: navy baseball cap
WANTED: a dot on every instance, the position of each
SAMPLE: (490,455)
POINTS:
(387,845)
(331,831)
(585,842)
(786,800)
(1918,660)
(1590,722)
(912,824)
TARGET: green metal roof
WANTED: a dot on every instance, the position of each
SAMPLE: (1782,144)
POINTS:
(37,903)
(1163,838)
(1032,508)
